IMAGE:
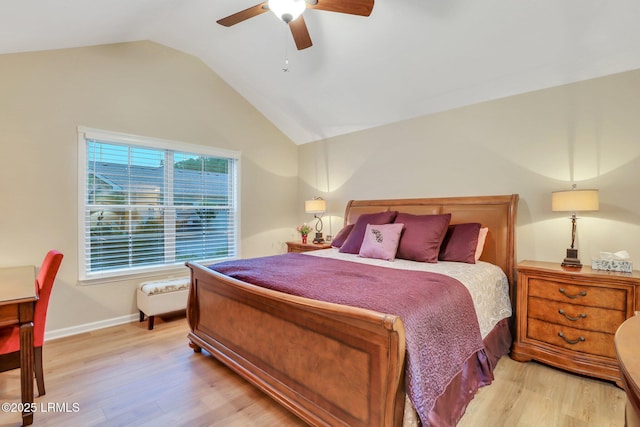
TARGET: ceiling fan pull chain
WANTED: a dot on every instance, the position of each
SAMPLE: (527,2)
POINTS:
(286,52)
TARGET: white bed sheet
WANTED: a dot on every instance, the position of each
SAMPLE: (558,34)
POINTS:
(487,283)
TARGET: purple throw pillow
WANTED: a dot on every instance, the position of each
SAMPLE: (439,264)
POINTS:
(422,236)
(460,243)
(381,241)
(342,235)
(354,241)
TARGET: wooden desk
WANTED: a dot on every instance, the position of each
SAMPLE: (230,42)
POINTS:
(628,350)
(17,299)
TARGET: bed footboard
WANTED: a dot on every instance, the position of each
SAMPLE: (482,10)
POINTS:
(329,364)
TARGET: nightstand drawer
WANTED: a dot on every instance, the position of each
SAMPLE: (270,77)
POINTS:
(594,296)
(576,316)
(579,340)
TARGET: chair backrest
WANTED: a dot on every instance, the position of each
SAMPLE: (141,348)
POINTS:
(44,282)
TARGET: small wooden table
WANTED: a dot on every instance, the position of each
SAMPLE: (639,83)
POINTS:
(628,351)
(18,295)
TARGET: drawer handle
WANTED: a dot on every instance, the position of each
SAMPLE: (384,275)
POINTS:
(580,316)
(561,335)
(581,294)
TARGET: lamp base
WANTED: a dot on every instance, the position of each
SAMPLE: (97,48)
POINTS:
(572,259)
(319,238)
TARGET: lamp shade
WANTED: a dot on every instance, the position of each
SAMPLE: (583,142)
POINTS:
(315,206)
(575,201)
(287,10)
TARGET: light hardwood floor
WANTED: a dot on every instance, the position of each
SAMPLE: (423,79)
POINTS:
(129,376)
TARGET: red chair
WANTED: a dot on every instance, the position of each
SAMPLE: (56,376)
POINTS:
(10,336)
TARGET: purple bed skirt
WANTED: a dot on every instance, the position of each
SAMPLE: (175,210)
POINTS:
(451,405)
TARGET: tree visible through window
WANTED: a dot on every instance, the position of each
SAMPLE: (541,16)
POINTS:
(147,207)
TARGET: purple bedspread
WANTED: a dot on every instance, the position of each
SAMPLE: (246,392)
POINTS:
(440,322)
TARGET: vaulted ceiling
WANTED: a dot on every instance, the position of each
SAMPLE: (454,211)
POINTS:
(408,58)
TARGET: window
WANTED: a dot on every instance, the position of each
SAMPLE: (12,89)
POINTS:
(149,204)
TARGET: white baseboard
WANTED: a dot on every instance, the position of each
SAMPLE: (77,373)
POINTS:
(87,327)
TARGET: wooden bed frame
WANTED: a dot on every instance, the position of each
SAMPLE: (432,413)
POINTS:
(329,364)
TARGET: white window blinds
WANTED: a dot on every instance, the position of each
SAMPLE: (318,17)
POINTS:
(149,204)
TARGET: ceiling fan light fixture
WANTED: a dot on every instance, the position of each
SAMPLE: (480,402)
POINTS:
(287,10)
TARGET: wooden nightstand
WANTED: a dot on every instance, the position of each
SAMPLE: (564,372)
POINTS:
(306,247)
(567,317)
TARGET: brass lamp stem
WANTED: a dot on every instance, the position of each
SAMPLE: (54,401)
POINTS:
(573,229)
(319,238)
(572,254)
(318,223)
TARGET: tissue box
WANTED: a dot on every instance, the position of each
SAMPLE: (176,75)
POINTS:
(624,266)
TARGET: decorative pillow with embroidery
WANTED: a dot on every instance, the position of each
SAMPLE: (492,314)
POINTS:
(381,241)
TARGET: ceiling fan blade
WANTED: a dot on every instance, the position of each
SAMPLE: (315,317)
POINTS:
(300,33)
(352,7)
(244,14)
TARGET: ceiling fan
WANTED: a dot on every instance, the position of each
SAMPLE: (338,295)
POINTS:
(290,11)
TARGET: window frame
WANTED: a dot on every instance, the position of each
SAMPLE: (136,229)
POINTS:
(86,133)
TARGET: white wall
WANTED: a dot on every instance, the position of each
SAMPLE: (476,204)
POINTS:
(530,144)
(137,88)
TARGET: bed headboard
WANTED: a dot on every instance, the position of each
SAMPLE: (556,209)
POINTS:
(498,213)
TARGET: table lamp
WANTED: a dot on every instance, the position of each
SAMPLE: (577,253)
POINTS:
(316,206)
(573,201)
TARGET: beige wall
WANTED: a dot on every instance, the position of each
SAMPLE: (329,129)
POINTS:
(138,88)
(531,144)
